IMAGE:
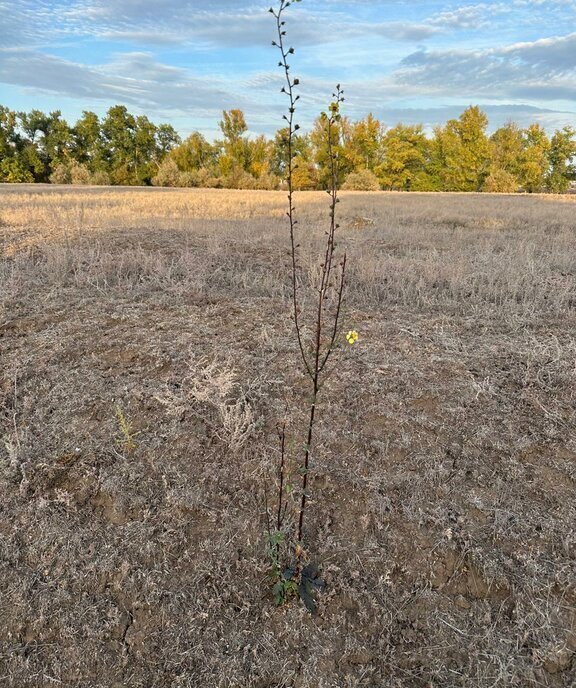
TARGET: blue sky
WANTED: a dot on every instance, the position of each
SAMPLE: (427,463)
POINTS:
(184,61)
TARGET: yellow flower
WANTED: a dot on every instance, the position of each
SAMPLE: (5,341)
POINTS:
(352,337)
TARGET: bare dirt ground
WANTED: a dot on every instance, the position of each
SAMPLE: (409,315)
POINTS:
(444,503)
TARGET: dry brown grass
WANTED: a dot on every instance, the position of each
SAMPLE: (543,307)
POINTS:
(446,524)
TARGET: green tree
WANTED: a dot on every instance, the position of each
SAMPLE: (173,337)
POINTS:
(195,153)
(405,151)
(234,158)
(561,160)
(363,143)
(26,165)
(33,124)
(167,139)
(244,162)
(534,161)
(461,152)
(304,175)
(9,136)
(146,154)
(119,139)
(506,148)
(301,148)
(88,144)
(259,156)
(233,126)
(322,145)
(57,140)
(506,153)
(14,170)
(47,142)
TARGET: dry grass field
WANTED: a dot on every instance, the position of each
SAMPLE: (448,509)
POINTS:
(444,511)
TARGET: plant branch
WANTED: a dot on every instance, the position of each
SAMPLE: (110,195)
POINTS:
(292,129)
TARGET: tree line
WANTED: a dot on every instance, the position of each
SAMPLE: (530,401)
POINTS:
(124,149)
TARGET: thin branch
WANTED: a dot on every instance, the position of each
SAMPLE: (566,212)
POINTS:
(292,128)
(336,315)
(279,515)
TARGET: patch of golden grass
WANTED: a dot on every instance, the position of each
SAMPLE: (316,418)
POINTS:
(35,214)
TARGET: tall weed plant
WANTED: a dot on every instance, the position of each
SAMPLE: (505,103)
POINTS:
(317,331)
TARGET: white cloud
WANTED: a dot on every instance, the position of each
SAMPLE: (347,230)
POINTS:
(469,16)
(132,78)
(544,68)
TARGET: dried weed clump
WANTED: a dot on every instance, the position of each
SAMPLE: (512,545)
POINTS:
(216,384)
(445,451)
